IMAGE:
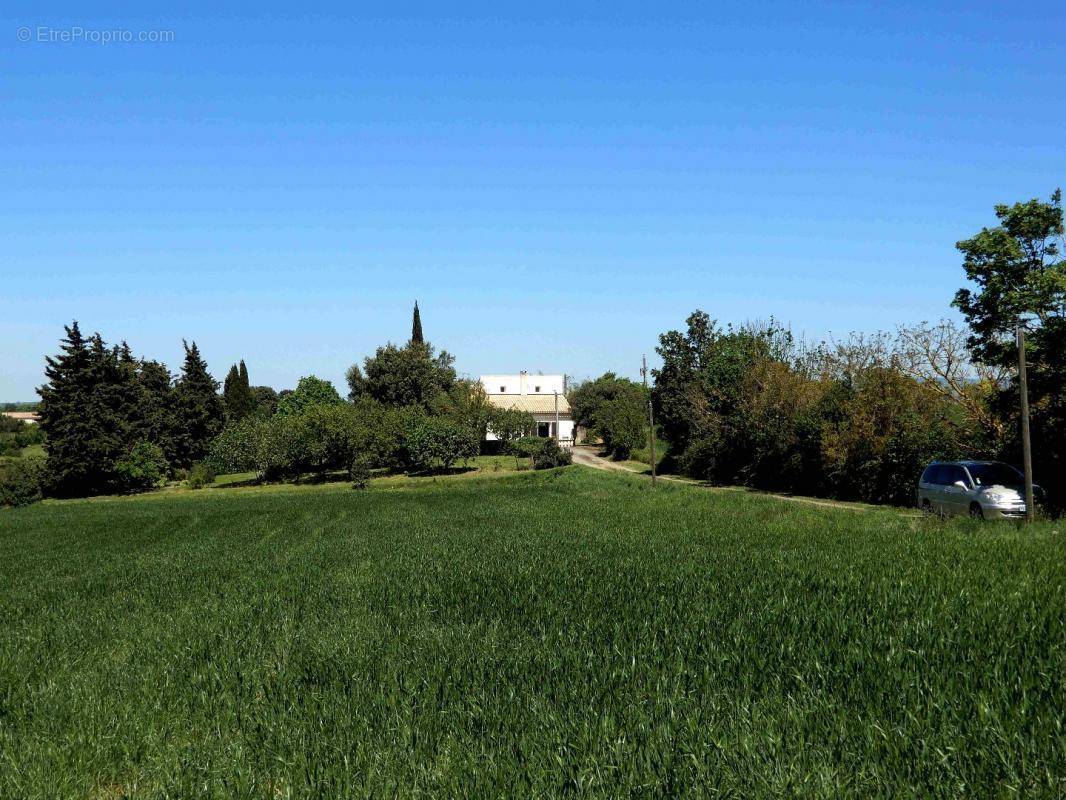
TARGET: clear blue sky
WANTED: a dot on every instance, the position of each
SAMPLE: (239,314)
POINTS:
(555,187)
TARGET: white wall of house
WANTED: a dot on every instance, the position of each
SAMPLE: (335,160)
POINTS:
(545,427)
(543,387)
(524,383)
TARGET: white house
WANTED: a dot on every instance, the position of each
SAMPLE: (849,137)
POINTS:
(543,396)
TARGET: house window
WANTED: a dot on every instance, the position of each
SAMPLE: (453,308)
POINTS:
(545,429)
(503,389)
(536,388)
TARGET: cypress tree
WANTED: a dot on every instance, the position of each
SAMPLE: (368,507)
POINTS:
(416,327)
(82,408)
(230,390)
(199,412)
(237,394)
(247,399)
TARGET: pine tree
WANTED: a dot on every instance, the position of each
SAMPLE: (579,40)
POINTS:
(155,420)
(199,412)
(82,415)
(416,327)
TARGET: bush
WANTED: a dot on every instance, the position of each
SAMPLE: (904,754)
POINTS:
(359,472)
(20,482)
(144,467)
(29,435)
(525,447)
(438,441)
(550,455)
(199,476)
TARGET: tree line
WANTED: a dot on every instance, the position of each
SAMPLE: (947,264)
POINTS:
(112,422)
(860,418)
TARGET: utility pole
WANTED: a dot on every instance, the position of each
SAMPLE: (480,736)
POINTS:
(651,416)
(1027,453)
(556,416)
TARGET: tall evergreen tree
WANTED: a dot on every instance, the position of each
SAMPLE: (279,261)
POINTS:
(199,412)
(155,419)
(84,430)
(230,392)
(416,327)
(237,394)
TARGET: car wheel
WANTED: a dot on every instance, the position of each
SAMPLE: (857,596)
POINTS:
(976,512)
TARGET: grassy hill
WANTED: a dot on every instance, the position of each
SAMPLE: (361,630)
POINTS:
(520,635)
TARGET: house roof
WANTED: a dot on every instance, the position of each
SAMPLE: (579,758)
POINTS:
(28,416)
(533,403)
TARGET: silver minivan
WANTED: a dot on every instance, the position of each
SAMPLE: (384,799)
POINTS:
(982,489)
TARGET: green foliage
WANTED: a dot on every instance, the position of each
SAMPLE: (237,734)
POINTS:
(309,392)
(199,413)
(615,409)
(535,635)
(466,404)
(21,481)
(1020,274)
(416,327)
(265,401)
(403,376)
(525,447)
(237,394)
(439,442)
(320,439)
(744,406)
(622,426)
(199,476)
(143,467)
(359,471)
(82,409)
(509,425)
(550,455)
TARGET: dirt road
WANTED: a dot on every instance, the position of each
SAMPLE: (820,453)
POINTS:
(587,457)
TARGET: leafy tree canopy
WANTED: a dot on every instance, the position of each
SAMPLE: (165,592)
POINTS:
(310,391)
(413,375)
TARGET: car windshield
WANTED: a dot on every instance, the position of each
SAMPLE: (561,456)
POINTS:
(995,475)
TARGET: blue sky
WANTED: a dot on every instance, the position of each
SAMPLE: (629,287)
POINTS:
(555,185)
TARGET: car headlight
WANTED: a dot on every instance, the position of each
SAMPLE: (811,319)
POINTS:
(995,497)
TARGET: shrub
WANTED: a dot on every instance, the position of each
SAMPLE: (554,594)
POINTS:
(359,472)
(525,447)
(438,441)
(144,467)
(20,482)
(621,422)
(199,476)
(29,435)
(551,455)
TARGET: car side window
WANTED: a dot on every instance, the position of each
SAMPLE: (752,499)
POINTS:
(929,476)
(954,473)
(935,474)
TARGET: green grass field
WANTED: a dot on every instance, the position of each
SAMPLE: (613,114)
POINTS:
(535,634)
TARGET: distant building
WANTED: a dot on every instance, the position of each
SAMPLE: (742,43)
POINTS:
(29,417)
(543,396)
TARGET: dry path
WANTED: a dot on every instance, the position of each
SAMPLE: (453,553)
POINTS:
(587,457)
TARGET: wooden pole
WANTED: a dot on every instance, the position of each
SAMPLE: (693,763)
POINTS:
(1027,453)
(651,416)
